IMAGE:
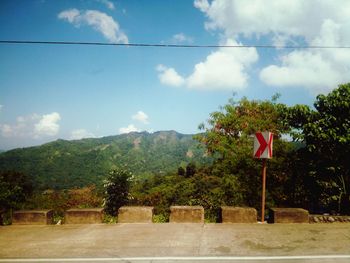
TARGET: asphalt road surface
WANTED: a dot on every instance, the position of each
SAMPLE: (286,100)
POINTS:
(176,243)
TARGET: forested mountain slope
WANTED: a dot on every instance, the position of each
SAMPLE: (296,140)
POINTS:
(66,164)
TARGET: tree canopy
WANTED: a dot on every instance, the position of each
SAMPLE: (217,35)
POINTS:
(228,137)
(15,187)
(326,132)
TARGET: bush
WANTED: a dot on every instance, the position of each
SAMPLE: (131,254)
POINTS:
(15,187)
(161,218)
(117,187)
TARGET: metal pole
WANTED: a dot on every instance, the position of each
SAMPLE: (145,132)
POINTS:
(263,191)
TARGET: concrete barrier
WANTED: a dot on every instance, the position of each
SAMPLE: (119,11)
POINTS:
(84,216)
(135,214)
(186,214)
(288,215)
(230,214)
(32,217)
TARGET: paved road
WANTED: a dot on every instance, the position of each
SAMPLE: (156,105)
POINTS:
(176,243)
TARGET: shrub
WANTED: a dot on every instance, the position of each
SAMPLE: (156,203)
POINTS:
(117,187)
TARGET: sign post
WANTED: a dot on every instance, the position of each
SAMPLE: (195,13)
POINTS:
(263,190)
(263,150)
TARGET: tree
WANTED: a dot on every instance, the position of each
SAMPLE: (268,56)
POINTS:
(228,137)
(229,131)
(15,187)
(117,187)
(190,169)
(326,133)
(180,171)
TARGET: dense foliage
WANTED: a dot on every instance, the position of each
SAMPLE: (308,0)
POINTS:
(117,187)
(228,136)
(326,133)
(199,189)
(15,187)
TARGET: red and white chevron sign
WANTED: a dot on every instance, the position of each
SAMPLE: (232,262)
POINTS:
(263,145)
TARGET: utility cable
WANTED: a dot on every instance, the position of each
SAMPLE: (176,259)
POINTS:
(165,45)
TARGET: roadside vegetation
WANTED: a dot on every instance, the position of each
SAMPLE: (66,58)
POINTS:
(310,171)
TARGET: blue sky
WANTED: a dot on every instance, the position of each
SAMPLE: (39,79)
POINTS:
(71,92)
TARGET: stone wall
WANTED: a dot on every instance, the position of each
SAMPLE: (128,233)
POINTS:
(32,217)
(84,216)
(135,214)
(186,214)
(288,215)
(230,214)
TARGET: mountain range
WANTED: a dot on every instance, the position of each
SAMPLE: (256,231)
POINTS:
(66,164)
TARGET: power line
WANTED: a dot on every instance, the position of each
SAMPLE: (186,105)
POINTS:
(164,45)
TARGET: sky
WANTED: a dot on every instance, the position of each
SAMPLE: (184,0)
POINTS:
(50,92)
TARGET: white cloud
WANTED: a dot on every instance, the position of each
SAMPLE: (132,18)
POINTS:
(181,38)
(48,125)
(7,130)
(303,68)
(71,15)
(169,76)
(23,127)
(32,126)
(202,5)
(130,128)
(261,17)
(141,116)
(80,134)
(312,22)
(319,70)
(1,107)
(225,68)
(100,21)
(109,4)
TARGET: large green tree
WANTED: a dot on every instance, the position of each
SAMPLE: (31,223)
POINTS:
(326,132)
(15,187)
(228,137)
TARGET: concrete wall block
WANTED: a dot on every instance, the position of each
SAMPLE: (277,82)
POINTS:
(135,214)
(186,214)
(32,217)
(232,214)
(84,216)
(288,215)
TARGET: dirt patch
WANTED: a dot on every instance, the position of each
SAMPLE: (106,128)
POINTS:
(265,246)
(223,250)
(137,142)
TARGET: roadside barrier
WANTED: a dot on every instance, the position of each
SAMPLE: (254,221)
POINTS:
(186,214)
(135,214)
(178,214)
(84,216)
(32,217)
(230,214)
(288,215)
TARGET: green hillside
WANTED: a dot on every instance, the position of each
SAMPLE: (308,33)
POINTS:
(66,164)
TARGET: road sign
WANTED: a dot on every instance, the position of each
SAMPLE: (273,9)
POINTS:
(263,149)
(263,145)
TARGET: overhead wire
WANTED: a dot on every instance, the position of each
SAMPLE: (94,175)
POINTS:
(29,42)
